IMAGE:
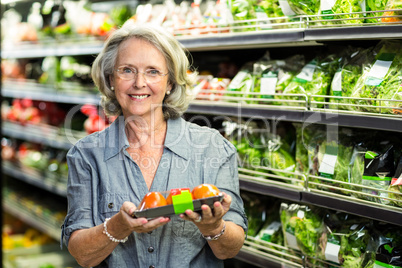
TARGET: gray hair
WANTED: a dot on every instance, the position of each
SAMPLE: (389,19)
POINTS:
(175,104)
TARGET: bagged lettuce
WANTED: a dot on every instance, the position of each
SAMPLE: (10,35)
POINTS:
(381,79)
(396,185)
(387,245)
(242,82)
(347,241)
(346,77)
(349,6)
(373,168)
(315,77)
(272,76)
(302,228)
(305,7)
(375,5)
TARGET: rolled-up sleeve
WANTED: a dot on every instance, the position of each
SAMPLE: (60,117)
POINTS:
(228,181)
(79,194)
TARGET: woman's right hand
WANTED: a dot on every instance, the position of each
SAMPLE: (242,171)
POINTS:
(127,224)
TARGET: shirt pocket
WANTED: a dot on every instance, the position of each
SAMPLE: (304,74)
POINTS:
(110,204)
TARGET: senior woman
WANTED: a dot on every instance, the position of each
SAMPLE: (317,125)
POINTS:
(142,74)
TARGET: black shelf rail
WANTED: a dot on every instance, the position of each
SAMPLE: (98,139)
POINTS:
(39,92)
(34,178)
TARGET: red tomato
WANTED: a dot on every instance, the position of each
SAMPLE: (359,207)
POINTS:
(175,192)
(204,191)
(152,200)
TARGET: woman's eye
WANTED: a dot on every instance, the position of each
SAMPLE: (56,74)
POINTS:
(153,72)
(128,70)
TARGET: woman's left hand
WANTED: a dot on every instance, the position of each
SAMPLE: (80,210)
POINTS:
(209,220)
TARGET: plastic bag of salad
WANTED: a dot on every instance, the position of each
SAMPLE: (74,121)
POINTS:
(250,141)
(346,11)
(390,15)
(347,240)
(271,77)
(277,156)
(380,79)
(375,5)
(346,77)
(302,227)
(377,175)
(315,78)
(243,12)
(396,186)
(387,245)
(241,84)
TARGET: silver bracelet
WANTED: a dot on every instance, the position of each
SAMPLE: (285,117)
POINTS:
(124,240)
(215,237)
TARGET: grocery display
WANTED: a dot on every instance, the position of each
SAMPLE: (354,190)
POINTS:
(309,92)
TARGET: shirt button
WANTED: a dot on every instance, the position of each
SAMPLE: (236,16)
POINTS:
(152,266)
(150,250)
(110,205)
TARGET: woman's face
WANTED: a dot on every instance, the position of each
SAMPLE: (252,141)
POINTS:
(139,96)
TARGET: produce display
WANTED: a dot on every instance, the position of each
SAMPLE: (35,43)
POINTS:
(60,20)
(337,239)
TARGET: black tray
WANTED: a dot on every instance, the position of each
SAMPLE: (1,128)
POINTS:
(166,211)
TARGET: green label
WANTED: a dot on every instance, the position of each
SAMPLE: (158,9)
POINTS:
(182,202)
(379,264)
(374,178)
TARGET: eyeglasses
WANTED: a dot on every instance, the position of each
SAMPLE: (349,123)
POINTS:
(128,73)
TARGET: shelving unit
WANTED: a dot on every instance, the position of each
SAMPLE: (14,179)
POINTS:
(303,36)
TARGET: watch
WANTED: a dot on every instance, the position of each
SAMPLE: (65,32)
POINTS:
(215,237)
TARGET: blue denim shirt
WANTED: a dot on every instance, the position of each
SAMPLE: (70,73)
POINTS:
(102,176)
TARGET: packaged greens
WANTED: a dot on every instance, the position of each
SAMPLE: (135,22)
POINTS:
(242,82)
(392,7)
(378,169)
(387,245)
(396,185)
(302,136)
(315,78)
(255,209)
(347,75)
(272,76)
(347,241)
(243,10)
(349,6)
(249,141)
(302,228)
(305,7)
(277,156)
(381,79)
(375,5)
(271,231)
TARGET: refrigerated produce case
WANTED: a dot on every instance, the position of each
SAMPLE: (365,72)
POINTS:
(240,42)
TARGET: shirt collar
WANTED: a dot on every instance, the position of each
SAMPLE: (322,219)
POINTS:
(176,138)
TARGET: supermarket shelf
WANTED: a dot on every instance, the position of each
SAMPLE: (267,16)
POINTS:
(42,134)
(36,222)
(33,177)
(264,254)
(239,110)
(353,33)
(257,39)
(300,36)
(71,48)
(379,122)
(35,91)
(354,206)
